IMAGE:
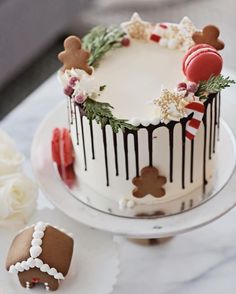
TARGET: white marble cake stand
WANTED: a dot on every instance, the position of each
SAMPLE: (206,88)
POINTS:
(53,187)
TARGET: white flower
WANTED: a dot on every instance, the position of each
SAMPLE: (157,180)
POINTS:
(5,139)
(88,85)
(18,195)
(10,159)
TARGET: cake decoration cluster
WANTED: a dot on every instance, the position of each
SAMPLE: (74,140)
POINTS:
(79,85)
(202,65)
(174,36)
(171,104)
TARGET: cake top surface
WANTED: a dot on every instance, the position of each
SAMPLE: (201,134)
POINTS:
(140,73)
(135,75)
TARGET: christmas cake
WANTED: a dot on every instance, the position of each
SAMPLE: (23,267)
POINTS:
(143,104)
(40,254)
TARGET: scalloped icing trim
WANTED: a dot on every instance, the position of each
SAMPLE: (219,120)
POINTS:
(144,122)
(35,250)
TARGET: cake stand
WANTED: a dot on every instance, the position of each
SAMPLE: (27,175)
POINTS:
(221,202)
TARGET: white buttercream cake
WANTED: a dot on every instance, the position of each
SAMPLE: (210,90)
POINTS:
(144,133)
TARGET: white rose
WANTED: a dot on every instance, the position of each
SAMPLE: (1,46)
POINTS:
(10,159)
(88,85)
(18,195)
(5,139)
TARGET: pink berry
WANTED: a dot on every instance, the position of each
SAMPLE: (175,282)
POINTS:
(68,91)
(80,98)
(182,87)
(192,87)
(125,42)
(72,81)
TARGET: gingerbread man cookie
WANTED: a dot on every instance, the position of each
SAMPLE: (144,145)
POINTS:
(149,182)
(209,35)
(74,56)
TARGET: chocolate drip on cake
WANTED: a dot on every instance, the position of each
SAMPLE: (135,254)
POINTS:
(171,148)
(204,120)
(125,137)
(150,145)
(115,153)
(71,111)
(92,139)
(218,119)
(183,123)
(68,112)
(104,135)
(210,135)
(76,125)
(83,141)
(215,123)
(191,161)
(211,99)
(135,133)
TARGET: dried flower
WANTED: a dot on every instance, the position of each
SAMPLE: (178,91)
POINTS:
(80,98)
(172,105)
(68,90)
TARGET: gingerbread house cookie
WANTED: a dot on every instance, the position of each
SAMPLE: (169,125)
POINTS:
(40,254)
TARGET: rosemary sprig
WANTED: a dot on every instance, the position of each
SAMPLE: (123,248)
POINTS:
(100,40)
(213,85)
(101,112)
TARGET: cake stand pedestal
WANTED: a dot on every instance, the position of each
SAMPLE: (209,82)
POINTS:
(223,200)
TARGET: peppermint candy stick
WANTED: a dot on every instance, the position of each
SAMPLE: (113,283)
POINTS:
(193,125)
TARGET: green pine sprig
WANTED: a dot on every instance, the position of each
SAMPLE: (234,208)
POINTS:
(102,114)
(213,85)
(100,40)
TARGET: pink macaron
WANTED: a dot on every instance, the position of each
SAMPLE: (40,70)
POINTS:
(201,62)
(62,149)
(63,155)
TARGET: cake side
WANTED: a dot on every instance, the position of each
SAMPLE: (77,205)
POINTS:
(114,160)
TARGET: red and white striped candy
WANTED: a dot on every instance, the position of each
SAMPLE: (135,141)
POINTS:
(193,125)
(158,32)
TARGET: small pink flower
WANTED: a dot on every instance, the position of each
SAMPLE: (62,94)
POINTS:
(192,87)
(80,98)
(182,87)
(68,90)
(73,81)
